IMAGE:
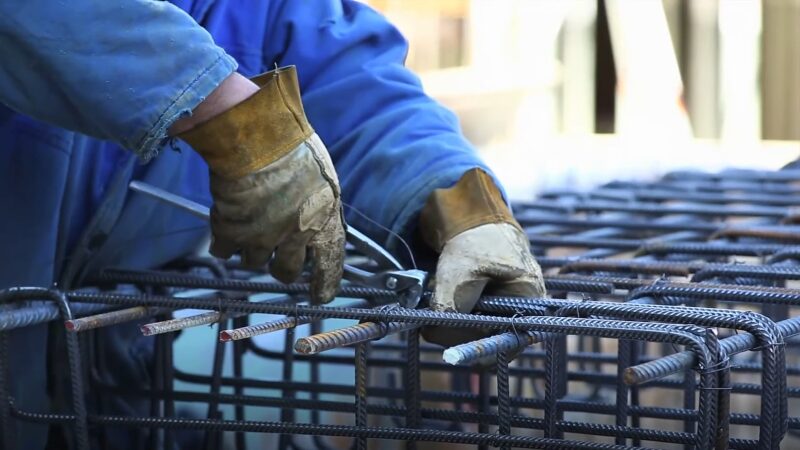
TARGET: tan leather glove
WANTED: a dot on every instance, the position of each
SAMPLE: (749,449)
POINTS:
(274,187)
(482,249)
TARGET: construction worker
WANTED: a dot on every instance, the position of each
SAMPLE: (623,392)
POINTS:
(91,88)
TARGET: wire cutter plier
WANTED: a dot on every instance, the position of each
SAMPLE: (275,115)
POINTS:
(407,283)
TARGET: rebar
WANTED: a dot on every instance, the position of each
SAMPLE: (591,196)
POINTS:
(172,325)
(263,328)
(344,337)
(680,292)
(107,319)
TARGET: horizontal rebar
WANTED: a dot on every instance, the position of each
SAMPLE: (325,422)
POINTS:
(169,326)
(263,328)
(273,325)
(655,208)
(352,335)
(32,315)
(109,318)
(682,361)
(475,351)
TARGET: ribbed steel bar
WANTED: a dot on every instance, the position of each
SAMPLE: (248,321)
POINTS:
(375,408)
(273,326)
(401,434)
(155,278)
(649,194)
(503,397)
(172,325)
(768,337)
(656,209)
(412,380)
(530,219)
(347,336)
(361,392)
(784,234)
(108,318)
(785,175)
(472,352)
(25,316)
(746,294)
(683,361)
(712,248)
(716,240)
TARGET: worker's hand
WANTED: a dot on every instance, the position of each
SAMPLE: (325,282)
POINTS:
(274,187)
(483,251)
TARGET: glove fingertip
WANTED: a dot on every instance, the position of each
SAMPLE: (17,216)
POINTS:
(325,282)
(221,248)
(256,257)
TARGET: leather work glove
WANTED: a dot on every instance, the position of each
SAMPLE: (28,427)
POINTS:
(274,186)
(482,249)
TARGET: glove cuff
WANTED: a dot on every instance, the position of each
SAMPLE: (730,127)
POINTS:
(256,132)
(473,201)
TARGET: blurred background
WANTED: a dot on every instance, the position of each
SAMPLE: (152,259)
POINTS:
(571,93)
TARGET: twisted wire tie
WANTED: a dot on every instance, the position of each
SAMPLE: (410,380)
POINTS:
(383,319)
(517,315)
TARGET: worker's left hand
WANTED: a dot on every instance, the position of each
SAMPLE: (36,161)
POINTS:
(493,259)
(483,251)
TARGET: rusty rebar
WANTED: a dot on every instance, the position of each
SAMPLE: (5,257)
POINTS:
(172,325)
(344,337)
(109,318)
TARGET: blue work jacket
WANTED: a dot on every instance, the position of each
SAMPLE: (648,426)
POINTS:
(90,88)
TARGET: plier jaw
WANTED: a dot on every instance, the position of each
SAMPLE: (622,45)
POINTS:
(408,284)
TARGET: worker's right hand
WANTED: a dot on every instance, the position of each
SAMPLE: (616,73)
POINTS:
(274,186)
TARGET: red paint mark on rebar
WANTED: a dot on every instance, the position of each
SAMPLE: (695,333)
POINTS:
(225,336)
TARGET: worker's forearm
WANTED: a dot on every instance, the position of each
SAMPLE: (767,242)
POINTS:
(232,91)
(125,74)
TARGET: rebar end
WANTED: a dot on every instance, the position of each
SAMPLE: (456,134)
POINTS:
(69,325)
(304,347)
(225,336)
(146,330)
(453,356)
(631,377)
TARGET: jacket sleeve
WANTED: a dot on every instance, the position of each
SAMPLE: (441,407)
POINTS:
(117,70)
(392,144)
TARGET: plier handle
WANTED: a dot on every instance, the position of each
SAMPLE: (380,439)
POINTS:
(408,284)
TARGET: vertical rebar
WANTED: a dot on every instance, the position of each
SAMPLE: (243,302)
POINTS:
(212,437)
(623,362)
(555,384)
(81,424)
(723,431)
(689,389)
(484,404)
(361,392)
(412,384)
(156,388)
(636,348)
(169,386)
(503,397)
(238,373)
(287,413)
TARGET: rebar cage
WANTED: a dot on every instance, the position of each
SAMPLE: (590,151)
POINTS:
(669,323)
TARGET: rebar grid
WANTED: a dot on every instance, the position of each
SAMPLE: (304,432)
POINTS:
(670,324)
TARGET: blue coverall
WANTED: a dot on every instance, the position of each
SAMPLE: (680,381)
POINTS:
(84,80)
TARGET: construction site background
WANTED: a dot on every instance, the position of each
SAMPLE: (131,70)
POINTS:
(573,93)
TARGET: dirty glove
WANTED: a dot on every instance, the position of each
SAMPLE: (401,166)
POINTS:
(274,187)
(482,249)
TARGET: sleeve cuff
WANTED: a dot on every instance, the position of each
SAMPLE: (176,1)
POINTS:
(149,144)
